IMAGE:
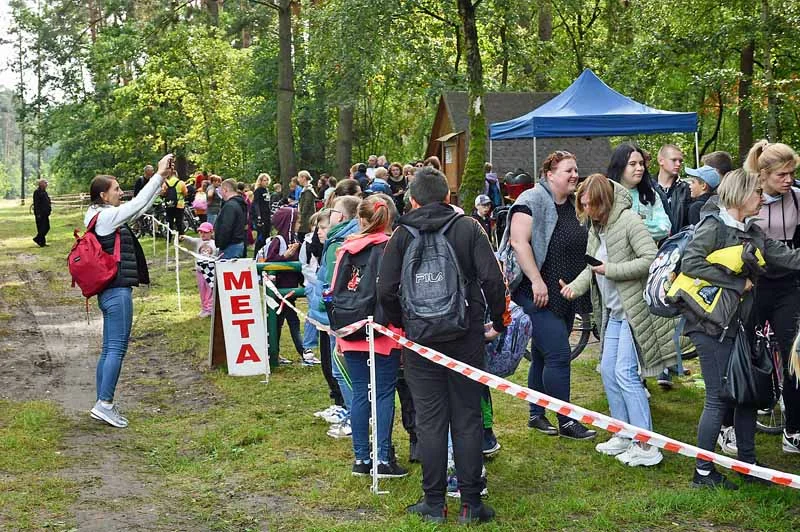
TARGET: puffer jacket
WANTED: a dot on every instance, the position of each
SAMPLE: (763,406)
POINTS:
(630,252)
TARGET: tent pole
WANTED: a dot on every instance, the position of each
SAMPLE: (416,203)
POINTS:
(696,150)
(535,168)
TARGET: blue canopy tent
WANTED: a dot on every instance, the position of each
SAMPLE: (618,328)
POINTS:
(590,108)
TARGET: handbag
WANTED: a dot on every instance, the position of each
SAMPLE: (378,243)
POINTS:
(750,378)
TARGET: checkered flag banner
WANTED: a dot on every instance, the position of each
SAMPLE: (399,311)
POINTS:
(206,267)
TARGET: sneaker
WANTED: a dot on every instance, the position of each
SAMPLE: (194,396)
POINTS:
(755,480)
(431,513)
(309,359)
(613,447)
(543,425)
(482,513)
(665,379)
(413,454)
(727,441)
(340,430)
(637,456)
(452,483)
(108,414)
(336,416)
(575,431)
(713,480)
(204,314)
(391,470)
(490,445)
(284,361)
(328,411)
(791,442)
(362,469)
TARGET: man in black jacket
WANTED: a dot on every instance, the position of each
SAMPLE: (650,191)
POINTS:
(443,398)
(229,227)
(142,180)
(41,210)
(675,194)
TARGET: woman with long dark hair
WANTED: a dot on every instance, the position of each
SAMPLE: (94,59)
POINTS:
(628,168)
(116,300)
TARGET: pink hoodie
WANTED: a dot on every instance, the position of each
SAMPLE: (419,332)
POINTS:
(383,344)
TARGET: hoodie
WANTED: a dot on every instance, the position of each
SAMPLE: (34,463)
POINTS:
(778,218)
(283,221)
(478,265)
(229,227)
(355,244)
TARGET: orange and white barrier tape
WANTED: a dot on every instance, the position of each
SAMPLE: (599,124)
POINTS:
(573,411)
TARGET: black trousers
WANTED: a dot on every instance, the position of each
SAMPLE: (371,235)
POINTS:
(779,303)
(442,399)
(407,412)
(175,219)
(289,316)
(42,228)
(325,357)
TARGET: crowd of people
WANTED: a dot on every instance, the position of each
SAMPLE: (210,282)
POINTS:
(577,243)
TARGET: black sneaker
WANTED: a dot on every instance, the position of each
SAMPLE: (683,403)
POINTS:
(665,379)
(362,469)
(713,480)
(483,513)
(433,514)
(575,431)
(413,454)
(490,445)
(391,470)
(755,480)
(542,424)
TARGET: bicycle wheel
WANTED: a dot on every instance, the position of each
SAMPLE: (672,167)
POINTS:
(773,420)
(581,329)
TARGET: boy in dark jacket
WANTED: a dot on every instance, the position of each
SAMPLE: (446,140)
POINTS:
(482,214)
(442,398)
(702,185)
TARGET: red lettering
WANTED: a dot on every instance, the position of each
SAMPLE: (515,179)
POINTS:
(241,304)
(247,354)
(245,280)
(244,327)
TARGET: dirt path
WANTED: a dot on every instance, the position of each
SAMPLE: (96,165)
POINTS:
(49,352)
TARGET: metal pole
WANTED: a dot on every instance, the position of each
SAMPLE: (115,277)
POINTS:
(490,151)
(696,150)
(153,227)
(373,407)
(266,329)
(535,167)
(177,273)
(166,255)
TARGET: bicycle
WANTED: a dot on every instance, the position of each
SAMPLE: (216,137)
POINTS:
(773,420)
(582,328)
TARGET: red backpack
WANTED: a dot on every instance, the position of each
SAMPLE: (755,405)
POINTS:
(92,269)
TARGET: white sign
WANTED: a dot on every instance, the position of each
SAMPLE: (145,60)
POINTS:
(242,317)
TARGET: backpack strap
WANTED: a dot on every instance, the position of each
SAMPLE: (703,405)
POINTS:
(449,223)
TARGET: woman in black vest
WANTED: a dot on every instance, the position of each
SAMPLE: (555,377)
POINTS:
(116,300)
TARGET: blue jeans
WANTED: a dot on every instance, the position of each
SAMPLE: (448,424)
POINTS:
(340,374)
(619,368)
(551,355)
(117,307)
(310,336)
(385,383)
(233,251)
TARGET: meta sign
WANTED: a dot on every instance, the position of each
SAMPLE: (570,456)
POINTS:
(241,316)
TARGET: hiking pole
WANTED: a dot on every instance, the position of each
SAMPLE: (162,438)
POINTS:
(373,407)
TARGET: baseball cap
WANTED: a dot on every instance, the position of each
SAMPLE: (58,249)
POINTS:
(483,199)
(205,227)
(707,174)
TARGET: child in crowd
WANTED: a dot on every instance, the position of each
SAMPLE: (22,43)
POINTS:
(703,184)
(482,213)
(200,204)
(375,216)
(206,247)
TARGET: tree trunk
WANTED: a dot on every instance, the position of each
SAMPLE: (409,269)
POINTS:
(473,178)
(344,140)
(545,31)
(285,101)
(772,103)
(504,54)
(746,60)
(213,7)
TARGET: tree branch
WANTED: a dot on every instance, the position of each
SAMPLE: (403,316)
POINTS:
(272,5)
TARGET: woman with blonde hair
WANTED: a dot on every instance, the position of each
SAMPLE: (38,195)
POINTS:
(632,337)
(777,299)
(261,211)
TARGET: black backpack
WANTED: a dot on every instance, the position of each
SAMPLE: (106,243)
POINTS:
(433,290)
(171,197)
(354,297)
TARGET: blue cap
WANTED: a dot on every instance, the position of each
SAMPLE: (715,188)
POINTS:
(707,173)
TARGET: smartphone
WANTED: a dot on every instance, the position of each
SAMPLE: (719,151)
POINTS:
(591,261)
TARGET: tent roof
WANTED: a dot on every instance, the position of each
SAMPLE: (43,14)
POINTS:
(590,108)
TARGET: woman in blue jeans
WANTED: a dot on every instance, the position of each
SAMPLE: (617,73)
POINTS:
(635,342)
(116,300)
(375,215)
(549,243)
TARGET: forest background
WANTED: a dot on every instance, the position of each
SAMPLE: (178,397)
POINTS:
(238,87)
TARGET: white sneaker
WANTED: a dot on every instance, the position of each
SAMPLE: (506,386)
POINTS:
(310,360)
(636,456)
(328,411)
(337,416)
(616,445)
(791,442)
(727,441)
(341,430)
(109,414)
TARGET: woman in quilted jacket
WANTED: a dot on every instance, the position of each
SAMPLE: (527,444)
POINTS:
(632,337)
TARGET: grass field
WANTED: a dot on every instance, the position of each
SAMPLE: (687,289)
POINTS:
(223,453)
